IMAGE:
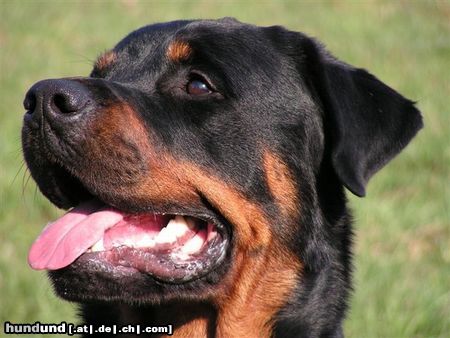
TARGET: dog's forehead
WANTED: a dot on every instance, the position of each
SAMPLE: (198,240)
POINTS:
(154,40)
(154,34)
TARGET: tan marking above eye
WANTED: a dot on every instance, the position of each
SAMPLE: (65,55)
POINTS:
(179,51)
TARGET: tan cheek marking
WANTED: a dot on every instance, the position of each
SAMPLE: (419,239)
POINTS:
(116,125)
(120,119)
(179,51)
(281,184)
(105,60)
(113,146)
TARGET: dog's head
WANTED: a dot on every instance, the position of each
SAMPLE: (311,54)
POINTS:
(202,152)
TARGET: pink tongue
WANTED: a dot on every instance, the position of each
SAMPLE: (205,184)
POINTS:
(64,240)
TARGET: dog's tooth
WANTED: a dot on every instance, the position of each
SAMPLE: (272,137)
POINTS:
(194,245)
(165,236)
(145,242)
(98,246)
(178,226)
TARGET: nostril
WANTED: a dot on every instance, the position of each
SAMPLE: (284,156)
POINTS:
(29,103)
(64,104)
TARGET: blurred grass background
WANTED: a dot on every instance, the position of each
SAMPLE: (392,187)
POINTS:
(402,250)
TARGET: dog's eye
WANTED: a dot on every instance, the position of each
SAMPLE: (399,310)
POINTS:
(198,86)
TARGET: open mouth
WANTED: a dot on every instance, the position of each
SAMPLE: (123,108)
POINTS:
(172,248)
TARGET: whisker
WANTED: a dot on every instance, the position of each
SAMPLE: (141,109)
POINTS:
(18,172)
(26,183)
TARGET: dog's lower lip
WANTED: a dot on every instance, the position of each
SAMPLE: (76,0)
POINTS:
(163,266)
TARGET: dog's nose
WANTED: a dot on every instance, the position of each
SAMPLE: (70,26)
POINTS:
(56,99)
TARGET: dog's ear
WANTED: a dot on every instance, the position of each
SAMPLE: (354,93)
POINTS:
(368,123)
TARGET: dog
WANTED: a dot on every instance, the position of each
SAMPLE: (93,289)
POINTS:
(205,164)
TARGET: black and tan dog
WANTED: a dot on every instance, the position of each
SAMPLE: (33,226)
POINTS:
(206,163)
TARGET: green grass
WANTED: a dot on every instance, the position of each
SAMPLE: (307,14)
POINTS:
(402,242)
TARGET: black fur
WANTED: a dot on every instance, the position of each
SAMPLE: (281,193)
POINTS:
(333,125)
